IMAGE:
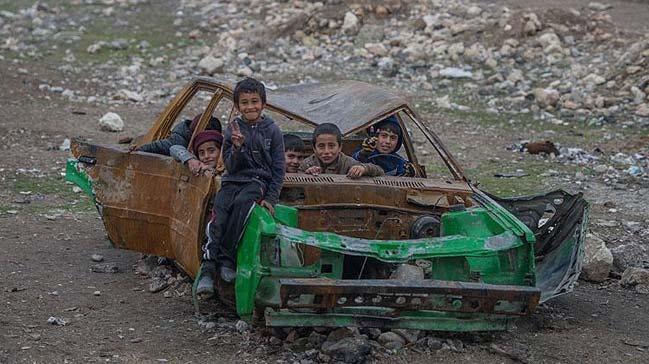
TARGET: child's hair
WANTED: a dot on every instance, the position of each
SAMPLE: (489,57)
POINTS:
(293,143)
(328,128)
(390,123)
(249,85)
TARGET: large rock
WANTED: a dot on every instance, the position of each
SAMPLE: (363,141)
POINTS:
(211,65)
(630,255)
(111,122)
(546,96)
(598,260)
(636,277)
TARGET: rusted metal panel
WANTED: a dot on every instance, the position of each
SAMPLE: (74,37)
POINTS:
(148,203)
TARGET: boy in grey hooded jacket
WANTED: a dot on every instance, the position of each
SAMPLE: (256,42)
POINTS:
(253,154)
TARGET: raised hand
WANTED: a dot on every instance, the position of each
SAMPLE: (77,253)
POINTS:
(237,137)
(369,144)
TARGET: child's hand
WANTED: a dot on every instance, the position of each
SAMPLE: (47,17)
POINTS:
(356,172)
(194,166)
(369,144)
(237,137)
(267,205)
(314,170)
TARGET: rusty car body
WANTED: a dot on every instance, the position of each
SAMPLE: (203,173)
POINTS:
(329,255)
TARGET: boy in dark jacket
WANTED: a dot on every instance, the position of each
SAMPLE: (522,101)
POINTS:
(386,138)
(180,135)
(253,154)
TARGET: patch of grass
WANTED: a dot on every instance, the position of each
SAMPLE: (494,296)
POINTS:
(59,195)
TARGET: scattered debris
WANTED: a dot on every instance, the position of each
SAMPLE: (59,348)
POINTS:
(105,268)
(57,321)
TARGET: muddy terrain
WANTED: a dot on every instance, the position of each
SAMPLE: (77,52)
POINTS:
(487,76)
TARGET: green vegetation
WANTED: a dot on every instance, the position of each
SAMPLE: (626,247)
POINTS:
(45,195)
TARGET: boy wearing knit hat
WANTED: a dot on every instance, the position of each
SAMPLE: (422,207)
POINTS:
(386,138)
(206,145)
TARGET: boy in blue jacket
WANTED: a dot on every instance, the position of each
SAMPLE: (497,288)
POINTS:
(386,138)
(253,154)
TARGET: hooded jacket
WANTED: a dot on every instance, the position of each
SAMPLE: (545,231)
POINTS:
(392,164)
(260,158)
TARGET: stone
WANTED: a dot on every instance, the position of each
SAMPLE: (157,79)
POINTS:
(377,49)
(434,343)
(244,71)
(637,278)
(125,94)
(119,44)
(211,65)
(95,47)
(96,293)
(339,334)
(407,272)
(410,336)
(594,79)
(598,259)
(391,340)
(348,350)
(593,5)
(350,23)
(454,72)
(111,122)
(642,110)
(601,168)
(546,96)
(630,255)
(57,321)
(158,284)
(474,11)
(105,268)
(241,326)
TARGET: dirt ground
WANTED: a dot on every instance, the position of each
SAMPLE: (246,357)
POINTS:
(48,234)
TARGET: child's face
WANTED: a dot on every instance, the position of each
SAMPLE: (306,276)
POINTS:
(386,142)
(209,153)
(250,106)
(293,160)
(327,148)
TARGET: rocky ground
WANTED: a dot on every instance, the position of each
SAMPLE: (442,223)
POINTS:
(492,74)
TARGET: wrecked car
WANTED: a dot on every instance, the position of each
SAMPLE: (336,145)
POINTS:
(431,252)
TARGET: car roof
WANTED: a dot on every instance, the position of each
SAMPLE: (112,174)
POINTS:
(351,105)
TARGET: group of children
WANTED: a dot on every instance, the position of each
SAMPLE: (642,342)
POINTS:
(256,157)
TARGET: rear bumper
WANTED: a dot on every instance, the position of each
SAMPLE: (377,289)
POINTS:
(426,304)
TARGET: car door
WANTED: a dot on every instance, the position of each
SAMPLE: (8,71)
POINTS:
(148,202)
(558,220)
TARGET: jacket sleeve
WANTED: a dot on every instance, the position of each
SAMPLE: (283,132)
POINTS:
(372,170)
(361,155)
(278,167)
(181,154)
(180,135)
(232,157)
